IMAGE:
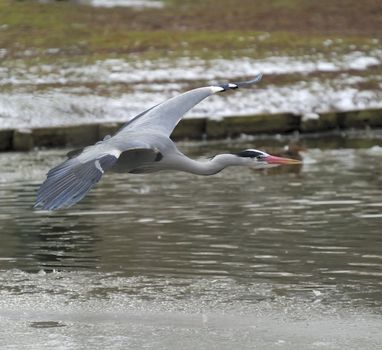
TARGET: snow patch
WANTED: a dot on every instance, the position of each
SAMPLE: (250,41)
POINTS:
(375,150)
(310,116)
(132,87)
(184,69)
(118,3)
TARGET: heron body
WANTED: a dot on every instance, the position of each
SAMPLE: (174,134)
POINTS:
(142,145)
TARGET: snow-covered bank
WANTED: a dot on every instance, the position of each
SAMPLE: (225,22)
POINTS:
(128,72)
(116,90)
(64,108)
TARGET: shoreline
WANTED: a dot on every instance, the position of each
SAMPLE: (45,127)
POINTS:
(25,139)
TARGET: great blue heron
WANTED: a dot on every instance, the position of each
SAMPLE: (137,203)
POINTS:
(141,146)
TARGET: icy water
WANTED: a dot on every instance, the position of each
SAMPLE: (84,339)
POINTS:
(290,259)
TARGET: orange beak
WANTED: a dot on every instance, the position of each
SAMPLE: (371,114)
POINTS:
(280,160)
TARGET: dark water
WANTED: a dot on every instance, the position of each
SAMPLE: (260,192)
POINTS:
(287,259)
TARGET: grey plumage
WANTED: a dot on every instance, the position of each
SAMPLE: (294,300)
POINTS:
(70,181)
(142,145)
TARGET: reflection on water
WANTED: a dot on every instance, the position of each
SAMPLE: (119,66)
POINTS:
(236,240)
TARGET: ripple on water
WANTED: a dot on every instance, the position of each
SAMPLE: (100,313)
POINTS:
(266,233)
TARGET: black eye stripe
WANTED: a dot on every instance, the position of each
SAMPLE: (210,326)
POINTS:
(251,154)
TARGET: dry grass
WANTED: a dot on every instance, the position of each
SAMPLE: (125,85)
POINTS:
(206,28)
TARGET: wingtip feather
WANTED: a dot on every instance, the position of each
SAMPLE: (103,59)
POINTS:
(236,85)
(67,183)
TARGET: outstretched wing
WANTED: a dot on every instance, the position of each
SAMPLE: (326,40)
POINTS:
(69,182)
(164,117)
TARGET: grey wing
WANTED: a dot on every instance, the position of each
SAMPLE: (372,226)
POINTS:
(164,117)
(69,182)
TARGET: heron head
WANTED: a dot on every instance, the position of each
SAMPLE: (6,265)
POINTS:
(261,160)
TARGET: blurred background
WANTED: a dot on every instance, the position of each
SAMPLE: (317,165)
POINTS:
(70,62)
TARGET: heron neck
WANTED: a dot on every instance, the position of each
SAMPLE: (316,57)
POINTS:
(209,167)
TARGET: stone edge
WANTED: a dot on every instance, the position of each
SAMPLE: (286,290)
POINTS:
(25,139)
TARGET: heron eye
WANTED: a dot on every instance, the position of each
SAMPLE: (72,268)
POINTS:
(260,157)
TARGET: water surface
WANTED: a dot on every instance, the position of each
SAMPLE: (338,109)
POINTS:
(287,259)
